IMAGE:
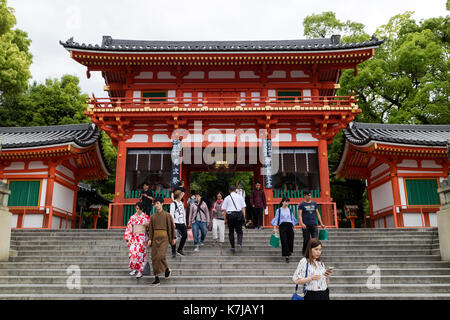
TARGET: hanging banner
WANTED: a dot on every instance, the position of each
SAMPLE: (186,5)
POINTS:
(176,163)
(267,145)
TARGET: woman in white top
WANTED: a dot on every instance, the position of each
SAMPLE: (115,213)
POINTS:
(179,217)
(317,277)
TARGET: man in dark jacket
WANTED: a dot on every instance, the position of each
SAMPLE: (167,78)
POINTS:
(258,202)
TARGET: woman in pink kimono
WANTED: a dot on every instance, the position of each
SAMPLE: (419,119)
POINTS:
(136,237)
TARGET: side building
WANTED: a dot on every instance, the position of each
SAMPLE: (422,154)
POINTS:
(43,166)
(403,166)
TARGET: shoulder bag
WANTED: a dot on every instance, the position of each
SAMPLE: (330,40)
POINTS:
(296,296)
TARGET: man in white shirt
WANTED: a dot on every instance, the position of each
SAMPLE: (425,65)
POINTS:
(233,208)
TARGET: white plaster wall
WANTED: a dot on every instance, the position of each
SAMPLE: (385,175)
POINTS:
(66,171)
(283,137)
(380,178)
(165,75)
(24,173)
(408,163)
(55,222)
(381,168)
(278,74)
(195,75)
(412,220)
(145,75)
(307,93)
(63,197)
(221,137)
(16,166)
(194,138)
(305,137)
(161,138)
(33,221)
(138,138)
(221,74)
(390,221)
(382,196)
(249,137)
(14,219)
(43,192)
(379,223)
(401,186)
(248,75)
(37,165)
(430,164)
(433,219)
(298,74)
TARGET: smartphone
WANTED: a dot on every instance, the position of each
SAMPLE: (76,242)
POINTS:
(329,269)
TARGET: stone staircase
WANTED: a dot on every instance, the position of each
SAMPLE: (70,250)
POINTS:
(408,260)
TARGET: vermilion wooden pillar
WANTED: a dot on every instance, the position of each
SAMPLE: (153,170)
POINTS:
(327,215)
(119,196)
(47,223)
(395,190)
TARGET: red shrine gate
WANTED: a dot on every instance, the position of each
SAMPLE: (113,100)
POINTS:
(170,101)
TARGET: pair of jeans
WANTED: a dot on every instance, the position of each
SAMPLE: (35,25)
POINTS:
(199,225)
(310,232)
(181,227)
(234,221)
(287,238)
(258,217)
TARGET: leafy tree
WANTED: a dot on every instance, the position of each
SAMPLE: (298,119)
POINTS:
(15,57)
(326,24)
(56,102)
(407,81)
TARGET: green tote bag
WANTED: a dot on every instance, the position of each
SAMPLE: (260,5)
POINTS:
(275,240)
(323,234)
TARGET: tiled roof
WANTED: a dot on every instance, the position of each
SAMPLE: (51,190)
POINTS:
(83,135)
(87,191)
(332,43)
(428,135)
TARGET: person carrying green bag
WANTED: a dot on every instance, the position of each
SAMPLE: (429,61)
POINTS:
(285,221)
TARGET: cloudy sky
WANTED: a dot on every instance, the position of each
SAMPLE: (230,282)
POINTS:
(48,21)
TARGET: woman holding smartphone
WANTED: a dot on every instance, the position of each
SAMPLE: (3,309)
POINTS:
(312,272)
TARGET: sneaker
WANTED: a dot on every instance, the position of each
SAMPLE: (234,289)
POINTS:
(233,250)
(240,247)
(168,273)
(201,243)
(180,252)
(261,228)
(156,282)
(197,248)
(287,260)
(174,254)
(139,275)
(132,273)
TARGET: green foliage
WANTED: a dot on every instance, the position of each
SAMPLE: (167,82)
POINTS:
(56,102)
(211,183)
(326,24)
(15,58)
(407,81)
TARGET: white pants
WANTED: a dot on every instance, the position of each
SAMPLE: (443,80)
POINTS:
(219,225)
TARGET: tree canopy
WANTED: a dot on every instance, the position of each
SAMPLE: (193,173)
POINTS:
(15,57)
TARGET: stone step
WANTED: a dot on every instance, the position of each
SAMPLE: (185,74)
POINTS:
(221,279)
(181,270)
(233,296)
(111,243)
(248,246)
(226,252)
(143,286)
(225,265)
(240,256)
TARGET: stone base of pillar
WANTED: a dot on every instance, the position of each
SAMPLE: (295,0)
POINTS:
(443,221)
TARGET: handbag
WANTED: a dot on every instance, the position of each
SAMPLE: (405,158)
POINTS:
(240,214)
(190,235)
(275,240)
(296,296)
(323,234)
(147,269)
